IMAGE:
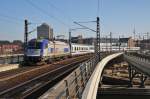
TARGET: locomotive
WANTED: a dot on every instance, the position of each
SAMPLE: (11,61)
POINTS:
(45,50)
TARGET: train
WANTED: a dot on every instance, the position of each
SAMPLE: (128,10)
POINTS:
(44,50)
(39,50)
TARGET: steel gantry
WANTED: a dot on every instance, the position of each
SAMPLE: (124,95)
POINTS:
(97,31)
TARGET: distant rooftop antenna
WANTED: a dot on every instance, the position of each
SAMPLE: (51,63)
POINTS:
(134,33)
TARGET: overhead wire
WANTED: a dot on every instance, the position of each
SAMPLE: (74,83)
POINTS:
(45,12)
(5,19)
(15,19)
(98,8)
(59,10)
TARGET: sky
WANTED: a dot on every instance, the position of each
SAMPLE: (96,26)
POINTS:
(117,16)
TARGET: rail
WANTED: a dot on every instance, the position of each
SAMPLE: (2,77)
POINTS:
(91,88)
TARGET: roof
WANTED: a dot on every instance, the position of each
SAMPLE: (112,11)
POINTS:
(39,40)
(59,42)
(124,40)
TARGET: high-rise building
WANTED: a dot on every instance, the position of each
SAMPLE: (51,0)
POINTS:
(45,31)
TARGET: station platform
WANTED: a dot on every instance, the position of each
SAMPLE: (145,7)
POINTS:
(5,67)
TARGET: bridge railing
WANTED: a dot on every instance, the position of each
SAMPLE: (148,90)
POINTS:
(91,88)
(73,86)
(11,59)
(140,63)
(141,57)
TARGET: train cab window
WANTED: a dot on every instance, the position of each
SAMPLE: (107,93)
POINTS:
(34,45)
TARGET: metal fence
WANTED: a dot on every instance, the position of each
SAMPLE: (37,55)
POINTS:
(73,85)
(11,59)
(140,57)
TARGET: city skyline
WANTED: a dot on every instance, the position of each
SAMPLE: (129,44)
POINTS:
(118,17)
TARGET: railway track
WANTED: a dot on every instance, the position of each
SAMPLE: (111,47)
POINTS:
(10,73)
(35,82)
(21,69)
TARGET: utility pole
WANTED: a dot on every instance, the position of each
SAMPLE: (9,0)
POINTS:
(25,35)
(25,38)
(134,33)
(110,41)
(147,41)
(97,50)
(119,44)
(106,44)
(70,41)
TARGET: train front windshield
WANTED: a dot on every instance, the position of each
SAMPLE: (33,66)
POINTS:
(34,45)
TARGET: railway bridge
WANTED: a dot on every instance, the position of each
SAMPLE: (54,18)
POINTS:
(86,81)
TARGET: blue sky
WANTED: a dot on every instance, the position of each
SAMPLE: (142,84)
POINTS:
(117,16)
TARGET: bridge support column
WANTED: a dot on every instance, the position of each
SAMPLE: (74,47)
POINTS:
(132,74)
(143,79)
